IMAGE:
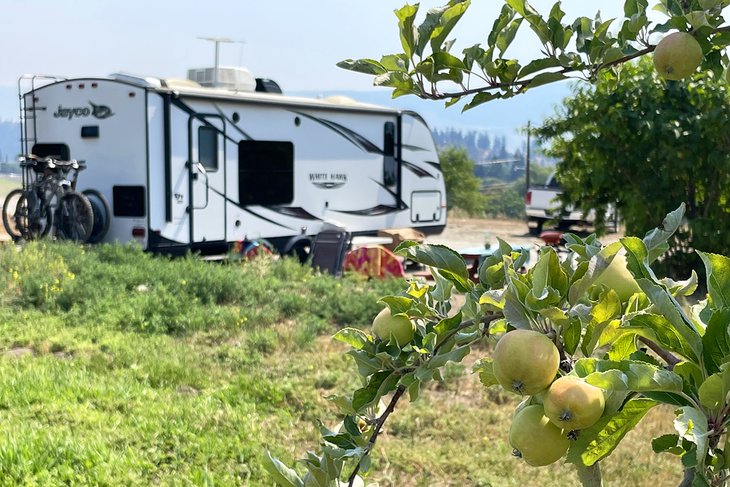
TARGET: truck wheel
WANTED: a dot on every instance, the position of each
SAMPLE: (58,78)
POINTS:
(537,229)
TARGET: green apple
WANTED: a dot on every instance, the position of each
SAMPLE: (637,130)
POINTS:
(677,56)
(525,361)
(573,404)
(537,440)
(617,277)
(397,329)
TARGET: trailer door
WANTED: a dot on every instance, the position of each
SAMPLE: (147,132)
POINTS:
(206,169)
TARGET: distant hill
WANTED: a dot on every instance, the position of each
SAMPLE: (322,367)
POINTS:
(9,141)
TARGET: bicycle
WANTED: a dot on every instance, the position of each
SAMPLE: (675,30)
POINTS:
(48,201)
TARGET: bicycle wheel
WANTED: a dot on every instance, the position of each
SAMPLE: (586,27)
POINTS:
(25,216)
(102,214)
(74,217)
(15,213)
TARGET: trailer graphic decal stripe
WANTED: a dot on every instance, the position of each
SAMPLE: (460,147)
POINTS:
(295,211)
(419,171)
(182,106)
(375,210)
(414,148)
(400,204)
(248,210)
(347,133)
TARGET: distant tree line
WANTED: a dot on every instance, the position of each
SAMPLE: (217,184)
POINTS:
(483,177)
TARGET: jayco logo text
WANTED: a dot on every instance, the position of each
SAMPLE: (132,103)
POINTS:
(96,111)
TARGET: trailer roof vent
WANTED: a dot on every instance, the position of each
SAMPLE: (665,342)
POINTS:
(229,78)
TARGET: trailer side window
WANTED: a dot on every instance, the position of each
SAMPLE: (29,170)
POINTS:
(265,172)
(390,168)
(208,147)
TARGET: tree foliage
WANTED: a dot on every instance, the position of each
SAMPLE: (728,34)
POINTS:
(577,48)
(602,331)
(463,188)
(648,145)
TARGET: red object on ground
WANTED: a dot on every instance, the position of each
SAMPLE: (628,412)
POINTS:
(374,261)
(551,237)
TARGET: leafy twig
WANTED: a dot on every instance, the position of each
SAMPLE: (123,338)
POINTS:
(668,357)
(378,427)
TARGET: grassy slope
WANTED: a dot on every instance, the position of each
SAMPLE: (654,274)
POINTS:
(123,369)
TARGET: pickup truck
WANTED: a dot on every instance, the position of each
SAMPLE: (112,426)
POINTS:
(542,204)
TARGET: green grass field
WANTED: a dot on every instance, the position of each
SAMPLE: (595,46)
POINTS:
(120,368)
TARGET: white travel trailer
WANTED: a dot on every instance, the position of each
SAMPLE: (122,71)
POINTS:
(185,167)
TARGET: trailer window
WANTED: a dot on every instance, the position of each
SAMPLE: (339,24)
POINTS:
(208,147)
(129,201)
(265,172)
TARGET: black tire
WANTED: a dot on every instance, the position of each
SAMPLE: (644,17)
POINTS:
(537,229)
(74,217)
(24,216)
(102,214)
(15,206)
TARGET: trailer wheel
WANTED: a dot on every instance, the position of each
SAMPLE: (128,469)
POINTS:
(102,214)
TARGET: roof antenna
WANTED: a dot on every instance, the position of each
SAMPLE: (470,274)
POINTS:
(217,41)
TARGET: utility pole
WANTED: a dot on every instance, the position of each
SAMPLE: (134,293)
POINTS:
(527,159)
(217,41)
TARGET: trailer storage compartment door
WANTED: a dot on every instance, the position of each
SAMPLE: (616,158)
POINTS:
(425,206)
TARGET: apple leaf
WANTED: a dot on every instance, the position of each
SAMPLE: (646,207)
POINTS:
(596,265)
(380,383)
(397,304)
(691,424)
(602,438)
(455,355)
(282,475)
(675,339)
(666,305)
(656,240)
(667,444)
(606,310)
(406,15)
(629,375)
(450,264)
(485,369)
(714,390)
(448,324)
(716,340)
(718,278)
(681,288)
(637,258)
(357,339)
(623,347)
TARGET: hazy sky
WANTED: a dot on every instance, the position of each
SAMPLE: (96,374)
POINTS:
(295,42)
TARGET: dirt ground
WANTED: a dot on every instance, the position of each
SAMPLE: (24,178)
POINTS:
(465,233)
